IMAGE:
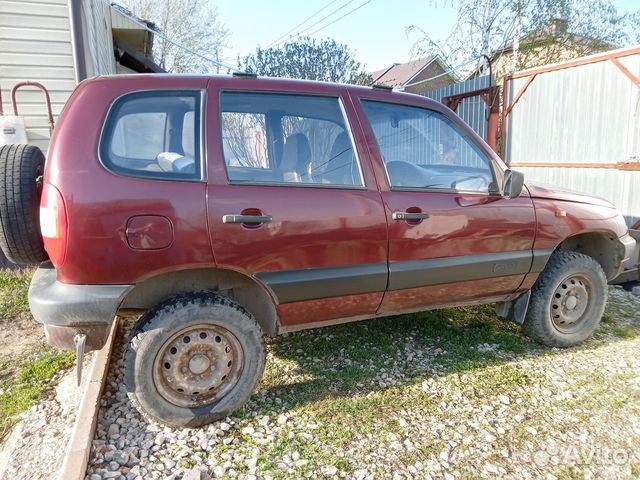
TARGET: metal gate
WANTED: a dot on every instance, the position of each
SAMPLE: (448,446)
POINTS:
(477,102)
(576,124)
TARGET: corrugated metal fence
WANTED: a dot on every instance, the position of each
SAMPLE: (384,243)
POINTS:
(472,110)
(577,126)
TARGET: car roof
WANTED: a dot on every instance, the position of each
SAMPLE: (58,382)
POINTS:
(228,81)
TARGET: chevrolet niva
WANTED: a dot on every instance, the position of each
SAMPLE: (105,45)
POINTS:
(229,208)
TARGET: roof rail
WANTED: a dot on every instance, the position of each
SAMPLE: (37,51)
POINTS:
(245,75)
(379,86)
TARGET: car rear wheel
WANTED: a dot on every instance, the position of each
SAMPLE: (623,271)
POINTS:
(21,170)
(567,301)
(194,359)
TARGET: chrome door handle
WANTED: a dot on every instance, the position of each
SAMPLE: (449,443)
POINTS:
(232,218)
(409,216)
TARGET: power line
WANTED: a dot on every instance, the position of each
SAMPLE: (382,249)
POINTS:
(275,42)
(340,18)
(326,16)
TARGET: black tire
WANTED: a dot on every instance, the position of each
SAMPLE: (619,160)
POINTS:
(156,396)
(21,170)
(550,319)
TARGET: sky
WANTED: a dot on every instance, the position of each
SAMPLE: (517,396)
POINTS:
(376,31)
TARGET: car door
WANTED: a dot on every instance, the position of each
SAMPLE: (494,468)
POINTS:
(291,201)
(453,238)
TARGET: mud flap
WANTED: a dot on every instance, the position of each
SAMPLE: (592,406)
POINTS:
(515,310)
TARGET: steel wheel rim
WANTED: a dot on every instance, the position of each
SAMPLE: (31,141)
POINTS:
(571,302)
(198,366)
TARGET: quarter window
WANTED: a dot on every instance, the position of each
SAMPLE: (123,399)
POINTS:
(287,139)
(423,148)
(154,134)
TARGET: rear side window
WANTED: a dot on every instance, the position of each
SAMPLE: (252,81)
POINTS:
(287,139)
(154,134)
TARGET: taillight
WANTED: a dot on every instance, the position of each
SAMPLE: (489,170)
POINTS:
(53,224)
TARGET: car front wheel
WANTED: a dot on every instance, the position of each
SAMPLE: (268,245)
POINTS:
(567,301)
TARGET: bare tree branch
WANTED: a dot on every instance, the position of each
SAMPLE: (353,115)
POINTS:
(486,26)
(192,23)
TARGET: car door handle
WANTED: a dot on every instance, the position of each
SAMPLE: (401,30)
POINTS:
(403,216)
(234,218)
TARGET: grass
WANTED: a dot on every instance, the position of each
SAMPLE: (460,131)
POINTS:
(30,385)
(359,380)
(394,393)
(330,363)
(27,376)
(14,286)
(357,377)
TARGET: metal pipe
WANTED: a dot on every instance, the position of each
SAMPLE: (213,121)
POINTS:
(77,39)
(47,99)
(503,132)
(601,57)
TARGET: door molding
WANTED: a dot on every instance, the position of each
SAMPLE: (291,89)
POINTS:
(290,286)
(437,271)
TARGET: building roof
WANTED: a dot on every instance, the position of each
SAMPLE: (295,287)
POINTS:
(399,74)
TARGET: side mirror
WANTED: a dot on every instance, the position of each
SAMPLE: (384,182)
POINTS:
(512,184)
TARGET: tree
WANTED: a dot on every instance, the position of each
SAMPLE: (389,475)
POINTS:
(306,58)
(547,31)
(194,24)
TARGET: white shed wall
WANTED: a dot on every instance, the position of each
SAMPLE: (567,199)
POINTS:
(98,40)
(35,44)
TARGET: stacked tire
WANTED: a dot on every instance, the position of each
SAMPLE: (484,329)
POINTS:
(21,172)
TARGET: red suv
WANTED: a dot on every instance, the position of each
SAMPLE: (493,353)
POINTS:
(227,208)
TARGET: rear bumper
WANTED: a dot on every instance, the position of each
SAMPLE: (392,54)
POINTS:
(66,310)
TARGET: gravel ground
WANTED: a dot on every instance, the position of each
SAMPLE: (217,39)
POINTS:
(447,394)
(44,431)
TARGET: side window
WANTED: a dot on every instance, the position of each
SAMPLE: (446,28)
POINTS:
(154,134)
(287,139)
(244,139)
(423,148)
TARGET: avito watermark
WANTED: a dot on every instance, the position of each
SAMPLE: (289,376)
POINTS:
(556,454)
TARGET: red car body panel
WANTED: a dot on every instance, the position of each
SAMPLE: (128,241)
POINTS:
(100,203)
(312,228)
(563,194)
(558,220)
(489,290)
(482,226)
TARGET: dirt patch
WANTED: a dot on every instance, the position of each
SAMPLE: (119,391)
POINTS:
(21,337)
(29,368)
(20,341)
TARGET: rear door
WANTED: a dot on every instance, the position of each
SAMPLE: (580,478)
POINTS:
(453,238)
(291,201)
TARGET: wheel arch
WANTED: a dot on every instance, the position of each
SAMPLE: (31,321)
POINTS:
(601,245)
(247,291)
